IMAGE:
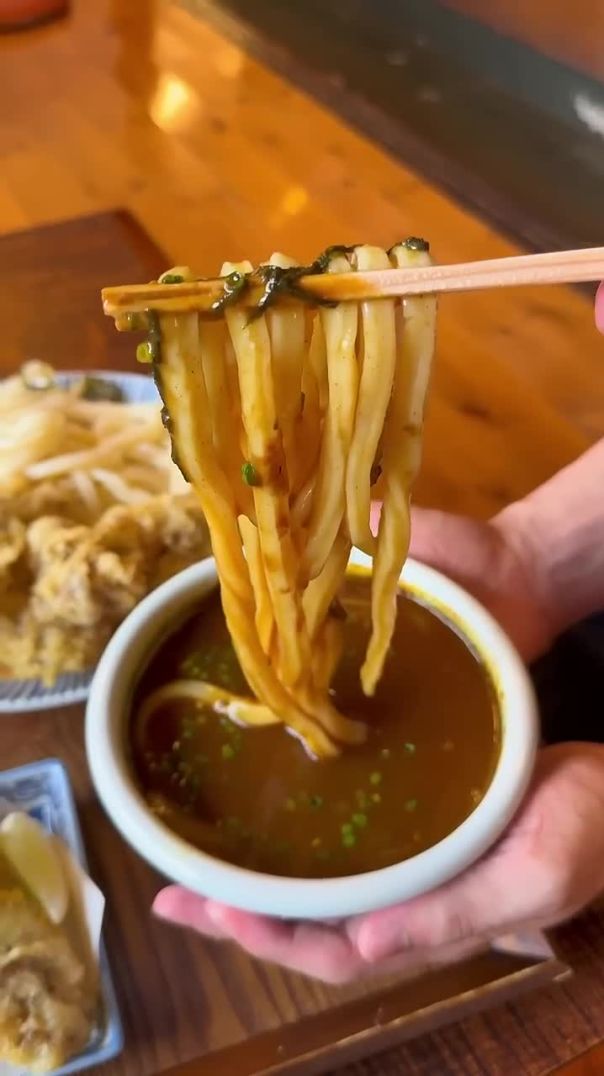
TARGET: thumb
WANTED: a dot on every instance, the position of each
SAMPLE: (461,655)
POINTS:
(464,549)
(487,900)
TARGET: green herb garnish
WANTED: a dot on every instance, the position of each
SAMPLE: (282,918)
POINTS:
(414,243)
(171,278)
(227,751)
(233,286)
(349,840)
(144,352)
(410,805)
(360,820)
(250,474)
(375,778)
(410,748)
(316,801)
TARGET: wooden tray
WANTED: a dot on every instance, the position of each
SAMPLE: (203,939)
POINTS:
(356,1022)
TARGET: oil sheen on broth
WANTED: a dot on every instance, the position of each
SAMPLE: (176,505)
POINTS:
(255,798)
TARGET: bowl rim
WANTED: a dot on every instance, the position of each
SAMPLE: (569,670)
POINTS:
(106,715)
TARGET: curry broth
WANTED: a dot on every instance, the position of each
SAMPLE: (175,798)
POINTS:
(254,797)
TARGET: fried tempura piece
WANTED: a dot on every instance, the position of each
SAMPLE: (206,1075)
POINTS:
(47,1006)
(83,580)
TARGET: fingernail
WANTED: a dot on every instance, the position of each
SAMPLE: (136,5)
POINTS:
(216,913)
(163,905)
(380,941)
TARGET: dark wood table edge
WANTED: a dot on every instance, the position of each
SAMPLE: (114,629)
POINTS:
(138,235)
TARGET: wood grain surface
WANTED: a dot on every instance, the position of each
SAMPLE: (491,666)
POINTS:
(591,1063)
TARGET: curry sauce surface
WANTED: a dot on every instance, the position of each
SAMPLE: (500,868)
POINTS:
(254,797)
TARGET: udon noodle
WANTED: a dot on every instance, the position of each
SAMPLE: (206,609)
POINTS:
(283,421)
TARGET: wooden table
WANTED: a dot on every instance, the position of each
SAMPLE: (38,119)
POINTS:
(175,990)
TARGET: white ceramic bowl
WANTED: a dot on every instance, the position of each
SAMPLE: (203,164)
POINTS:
(106,742)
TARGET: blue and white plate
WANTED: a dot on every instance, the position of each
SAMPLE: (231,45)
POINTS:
(21,696)
(42,790)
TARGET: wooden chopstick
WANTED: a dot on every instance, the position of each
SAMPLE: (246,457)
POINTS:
(559,267)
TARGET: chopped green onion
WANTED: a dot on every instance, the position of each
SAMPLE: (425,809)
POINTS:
(347,827)
(196,666)
(250,474)
(228,751)
(375,778)
(414,243)
(144,352)
(176,275)
(349,840)
(410,748)
(360,820)
(410,805)
(316,801)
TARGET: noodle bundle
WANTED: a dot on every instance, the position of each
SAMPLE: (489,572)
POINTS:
(283,420)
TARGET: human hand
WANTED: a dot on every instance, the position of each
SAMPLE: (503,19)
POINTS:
(500,562)
(545,869)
